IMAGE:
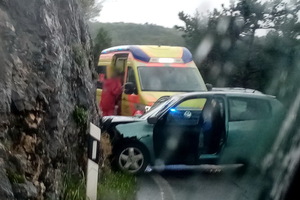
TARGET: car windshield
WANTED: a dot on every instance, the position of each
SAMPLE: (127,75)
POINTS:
(159,107)
(171,79)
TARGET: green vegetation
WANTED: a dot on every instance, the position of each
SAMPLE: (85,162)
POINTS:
(15,177)
(101,41)
(147,34)
(229,51)
(117,186)
(91,8)
(112,186)
(73,188)
(80,115)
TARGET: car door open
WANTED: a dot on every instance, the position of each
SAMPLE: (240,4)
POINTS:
(176,134)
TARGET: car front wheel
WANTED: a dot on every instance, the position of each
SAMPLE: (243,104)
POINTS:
(132,158)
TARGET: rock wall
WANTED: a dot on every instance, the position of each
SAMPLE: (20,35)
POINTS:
(47,95)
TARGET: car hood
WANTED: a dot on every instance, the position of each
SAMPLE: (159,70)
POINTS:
(139,129)
(116,119)
(151,97)
(107,121)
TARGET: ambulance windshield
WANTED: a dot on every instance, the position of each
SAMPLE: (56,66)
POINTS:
(173,79)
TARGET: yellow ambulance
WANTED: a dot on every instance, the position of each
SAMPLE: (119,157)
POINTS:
(149,72)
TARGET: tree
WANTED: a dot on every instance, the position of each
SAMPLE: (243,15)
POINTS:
(194,30)
(252,12)
(232,57)
(282,18)
(211,39)
(101,41)
(91,8)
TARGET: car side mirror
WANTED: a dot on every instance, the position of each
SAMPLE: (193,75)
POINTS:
(129,88)
(152,120)
(209,86)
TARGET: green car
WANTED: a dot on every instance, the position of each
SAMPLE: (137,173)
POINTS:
(216,127)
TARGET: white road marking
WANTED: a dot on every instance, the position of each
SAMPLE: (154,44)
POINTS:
(164,187)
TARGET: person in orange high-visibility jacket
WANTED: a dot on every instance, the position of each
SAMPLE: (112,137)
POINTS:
(111,93)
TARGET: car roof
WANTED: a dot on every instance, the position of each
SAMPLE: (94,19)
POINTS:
(236,89)
(235,93)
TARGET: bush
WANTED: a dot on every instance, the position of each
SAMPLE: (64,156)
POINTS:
(80,115)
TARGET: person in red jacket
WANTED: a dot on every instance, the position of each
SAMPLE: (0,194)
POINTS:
(111,93)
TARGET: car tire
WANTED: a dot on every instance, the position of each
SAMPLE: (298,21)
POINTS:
(131,158)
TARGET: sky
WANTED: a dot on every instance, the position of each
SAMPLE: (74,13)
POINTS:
(159,12)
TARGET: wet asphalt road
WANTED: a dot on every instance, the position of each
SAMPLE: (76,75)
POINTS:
(201,183)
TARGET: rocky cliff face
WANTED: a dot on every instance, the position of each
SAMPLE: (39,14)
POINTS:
(47,95)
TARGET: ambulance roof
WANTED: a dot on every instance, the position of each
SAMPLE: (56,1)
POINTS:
(147,52)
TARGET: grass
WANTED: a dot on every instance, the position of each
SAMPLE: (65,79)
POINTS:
(111,185)
(73,187)
(117,186)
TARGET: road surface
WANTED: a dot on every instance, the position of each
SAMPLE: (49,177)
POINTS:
(201,183)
